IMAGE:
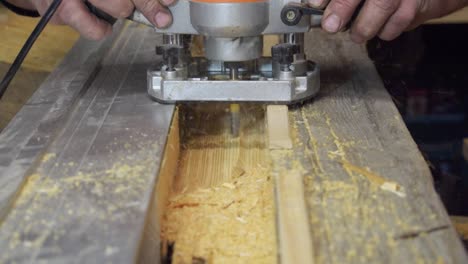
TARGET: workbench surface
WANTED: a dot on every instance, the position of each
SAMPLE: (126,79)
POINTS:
(76,179)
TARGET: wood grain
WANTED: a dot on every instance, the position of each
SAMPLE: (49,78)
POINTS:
(49,49)
(350,140)
(221,209)
(294,243)
(278,127)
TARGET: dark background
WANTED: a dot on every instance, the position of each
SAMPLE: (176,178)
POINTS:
(426,72)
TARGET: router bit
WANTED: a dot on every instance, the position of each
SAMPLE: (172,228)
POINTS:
(235,119)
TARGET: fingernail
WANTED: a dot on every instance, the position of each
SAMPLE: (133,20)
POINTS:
(316,3)
(168,2)
(162,19)
(332,23)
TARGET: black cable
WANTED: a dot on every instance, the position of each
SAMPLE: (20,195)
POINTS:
(27,46)
(19,10)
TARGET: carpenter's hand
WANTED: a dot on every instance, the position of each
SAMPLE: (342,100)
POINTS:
(384,18)
(76,14)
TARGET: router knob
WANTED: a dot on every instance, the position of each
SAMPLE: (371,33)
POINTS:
(284,53)
(170,54)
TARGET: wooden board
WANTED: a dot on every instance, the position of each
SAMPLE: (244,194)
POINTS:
(48,51)
(19,91)
(369,192)
(355,180)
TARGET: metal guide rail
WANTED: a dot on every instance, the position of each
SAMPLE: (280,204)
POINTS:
(78,163)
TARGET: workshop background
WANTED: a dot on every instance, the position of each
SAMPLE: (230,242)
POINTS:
(426,72)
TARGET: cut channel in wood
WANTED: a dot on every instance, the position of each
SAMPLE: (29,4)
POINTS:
(221,206)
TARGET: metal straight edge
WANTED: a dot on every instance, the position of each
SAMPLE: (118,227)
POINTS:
(96,175)
(25,138)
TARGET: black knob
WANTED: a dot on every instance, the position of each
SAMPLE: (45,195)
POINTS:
(170,54)
(284,53)
(291,15)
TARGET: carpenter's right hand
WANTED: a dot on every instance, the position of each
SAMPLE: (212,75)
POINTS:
(384,18)
(77,15)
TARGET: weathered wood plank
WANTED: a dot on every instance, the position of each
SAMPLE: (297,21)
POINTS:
(350,140)
(347,143)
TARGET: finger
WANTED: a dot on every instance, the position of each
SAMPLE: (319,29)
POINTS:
(42,7)
(337,14)
(76,14)
(319,3)
(400,20)
(372,17)
(154,12)
(429,9)
(118,8)
(167,2)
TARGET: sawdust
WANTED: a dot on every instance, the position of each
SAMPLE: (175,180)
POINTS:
(48,156)
(461,225)
(383,183)
(41,208)
(221,209)
(230,223)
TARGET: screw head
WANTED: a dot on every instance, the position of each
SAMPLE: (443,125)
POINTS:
(291,15)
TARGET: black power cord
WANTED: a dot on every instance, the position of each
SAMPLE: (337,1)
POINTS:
(27,46)
(19,10)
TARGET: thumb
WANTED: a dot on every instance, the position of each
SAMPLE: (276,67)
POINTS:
(155,12)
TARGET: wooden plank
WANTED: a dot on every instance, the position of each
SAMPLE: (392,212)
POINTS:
(49,49)
(19,91)
(295,244)
(268,42)
(347,142)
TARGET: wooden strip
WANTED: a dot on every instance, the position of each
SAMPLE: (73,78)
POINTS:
(295,245)
(348,142)
(278,127)
(268,42)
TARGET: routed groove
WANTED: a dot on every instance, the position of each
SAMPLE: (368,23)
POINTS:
(221,207)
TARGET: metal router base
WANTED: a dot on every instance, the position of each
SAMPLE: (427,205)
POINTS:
(214,84)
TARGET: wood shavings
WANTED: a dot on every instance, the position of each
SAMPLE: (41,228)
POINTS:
(394,188)
(48,156)
(239,231)
(221,209)
(229,185)
(383,183)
